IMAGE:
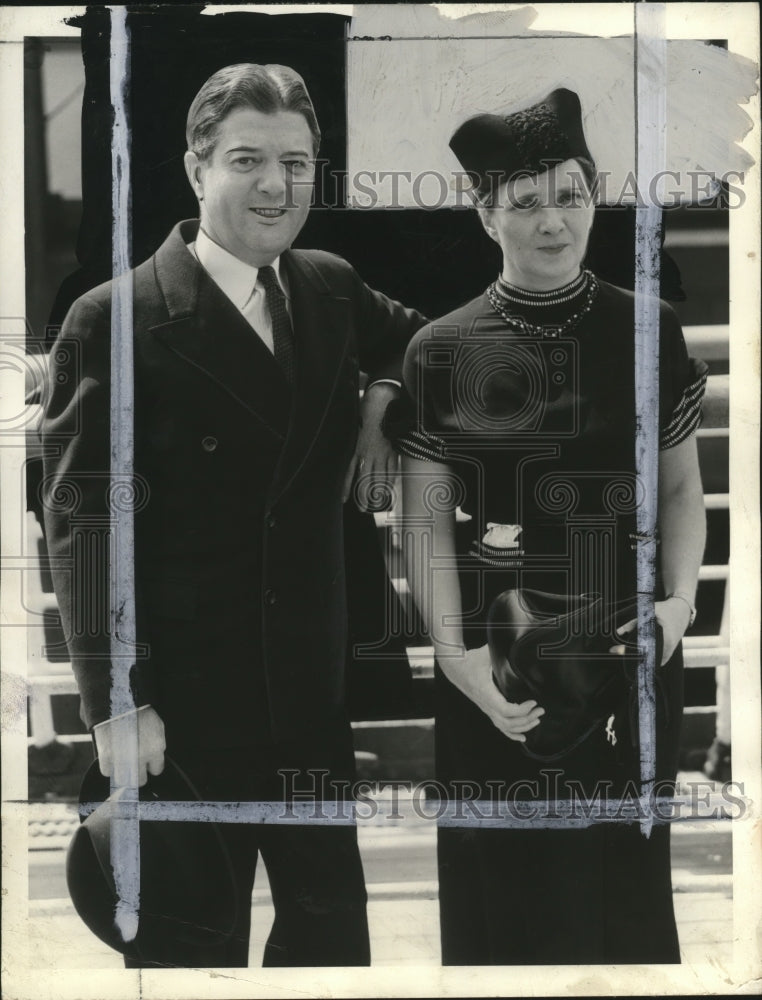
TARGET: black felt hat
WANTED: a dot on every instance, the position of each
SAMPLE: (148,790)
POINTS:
(493,148)
(566,654)
(187,890)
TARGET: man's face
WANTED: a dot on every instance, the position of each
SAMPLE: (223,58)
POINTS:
(256,187)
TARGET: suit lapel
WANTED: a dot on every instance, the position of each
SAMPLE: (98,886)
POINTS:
(321,323)
(207,331)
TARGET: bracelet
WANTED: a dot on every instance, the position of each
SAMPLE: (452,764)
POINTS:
(687,600)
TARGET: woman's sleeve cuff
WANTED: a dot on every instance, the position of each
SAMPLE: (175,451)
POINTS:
(686,416)
(427,447)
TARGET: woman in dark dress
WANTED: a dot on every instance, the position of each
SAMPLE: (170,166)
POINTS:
(518,436)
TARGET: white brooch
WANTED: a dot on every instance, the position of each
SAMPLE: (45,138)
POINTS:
(502,536)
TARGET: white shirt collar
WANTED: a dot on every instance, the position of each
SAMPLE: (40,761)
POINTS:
(235,277)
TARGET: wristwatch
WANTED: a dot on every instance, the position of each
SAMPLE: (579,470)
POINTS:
(687,599)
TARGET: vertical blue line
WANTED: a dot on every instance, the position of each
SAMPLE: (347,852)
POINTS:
(125,843)
(650,127)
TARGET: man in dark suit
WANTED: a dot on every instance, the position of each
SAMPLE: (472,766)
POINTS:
(246,358)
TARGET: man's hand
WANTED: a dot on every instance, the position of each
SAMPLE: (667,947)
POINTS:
(474,677)
(673,615)
(374,464)
(115,739)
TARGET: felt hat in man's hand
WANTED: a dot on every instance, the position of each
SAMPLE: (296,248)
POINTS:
(187,890)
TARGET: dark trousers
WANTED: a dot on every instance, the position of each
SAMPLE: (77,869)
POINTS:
(314,870)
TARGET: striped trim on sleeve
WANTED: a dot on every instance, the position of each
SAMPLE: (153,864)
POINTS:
(427,447)
(687,414)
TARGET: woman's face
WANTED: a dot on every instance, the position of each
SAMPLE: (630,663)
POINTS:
(542,224)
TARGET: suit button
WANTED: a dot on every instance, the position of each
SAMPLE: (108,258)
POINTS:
(209,443)
(270,597)
(271,521)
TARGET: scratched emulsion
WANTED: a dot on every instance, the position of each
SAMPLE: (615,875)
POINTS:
(548,814)
(297,813)
(650,84)
(495,62)
(125,830)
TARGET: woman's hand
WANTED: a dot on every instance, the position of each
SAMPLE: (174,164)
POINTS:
(673,615)
(473,676)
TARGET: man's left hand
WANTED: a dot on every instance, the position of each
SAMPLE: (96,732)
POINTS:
(374,465)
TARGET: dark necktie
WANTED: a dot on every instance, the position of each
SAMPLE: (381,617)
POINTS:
(283,334)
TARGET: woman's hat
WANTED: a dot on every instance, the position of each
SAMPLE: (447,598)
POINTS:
(187,889)
(492,148)
(566,654)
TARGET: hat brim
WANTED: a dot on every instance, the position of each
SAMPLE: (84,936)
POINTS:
(565,653)
(187,886)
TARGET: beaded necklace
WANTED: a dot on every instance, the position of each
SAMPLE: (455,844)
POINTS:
(501,294)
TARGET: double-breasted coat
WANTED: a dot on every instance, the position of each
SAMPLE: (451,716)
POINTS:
(240,588)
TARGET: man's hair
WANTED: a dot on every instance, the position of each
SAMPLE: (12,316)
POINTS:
(268,89)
